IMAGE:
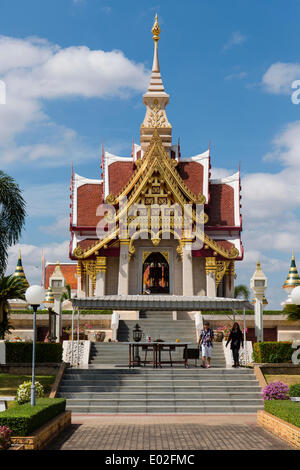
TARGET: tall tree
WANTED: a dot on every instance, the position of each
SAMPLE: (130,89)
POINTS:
(242,292)
(12,216)
(11,287)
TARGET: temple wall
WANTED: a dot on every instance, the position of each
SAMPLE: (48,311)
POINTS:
(112,274)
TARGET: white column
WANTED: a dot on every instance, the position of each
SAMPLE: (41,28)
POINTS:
(80,281)
(57,310)
(123,268)
(258,316)
(210,268)
(187,270)
(229,281)
(100,284)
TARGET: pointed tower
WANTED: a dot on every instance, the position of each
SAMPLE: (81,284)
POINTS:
(293,279)
(19,271)
(156,100)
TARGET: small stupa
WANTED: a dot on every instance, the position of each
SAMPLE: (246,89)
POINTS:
(19,271)
(292,280)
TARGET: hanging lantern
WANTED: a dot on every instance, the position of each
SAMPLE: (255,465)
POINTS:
(137,333)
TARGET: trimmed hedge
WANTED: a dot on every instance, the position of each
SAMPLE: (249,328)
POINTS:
(64,312)
(272,351)
(22,352)
(294,390)
(24,419)
(284,409)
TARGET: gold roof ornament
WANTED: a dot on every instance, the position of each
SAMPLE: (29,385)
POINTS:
(19,271)
(49,297)
(293,279)
(155,29)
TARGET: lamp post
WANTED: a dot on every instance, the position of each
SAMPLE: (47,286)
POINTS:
(49,304)
(137,336)
(34,296)
(258,284)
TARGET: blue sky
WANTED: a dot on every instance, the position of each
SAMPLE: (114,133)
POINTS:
(228,67)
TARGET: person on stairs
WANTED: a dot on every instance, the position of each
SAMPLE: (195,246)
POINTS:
(206,343)
(236,339)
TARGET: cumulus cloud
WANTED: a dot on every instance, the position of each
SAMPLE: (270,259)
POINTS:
(279,77)
(32,255)
(235,39)
(35,71)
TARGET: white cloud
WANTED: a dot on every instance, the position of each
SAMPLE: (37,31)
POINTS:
(32,255)
(236,76)
(47,200)
(279,77)
(235,39)
(217,173)
(35,70)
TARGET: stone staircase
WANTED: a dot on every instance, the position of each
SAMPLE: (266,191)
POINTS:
(161,391)
(108,386)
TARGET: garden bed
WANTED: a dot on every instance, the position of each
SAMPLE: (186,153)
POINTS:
(282,418)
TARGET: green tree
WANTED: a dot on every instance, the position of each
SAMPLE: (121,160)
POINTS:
(66,295)
(241,292)
(12,216)
(292,311)
(11,287)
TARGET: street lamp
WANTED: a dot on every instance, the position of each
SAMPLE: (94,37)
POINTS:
(258,284)
(137,336)
(34,296)
(49,304)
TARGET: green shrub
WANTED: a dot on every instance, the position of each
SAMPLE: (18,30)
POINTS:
(24,419)
(285,409)
(272,351)
(294,390)
(22,352)
(24,392)
(64,312)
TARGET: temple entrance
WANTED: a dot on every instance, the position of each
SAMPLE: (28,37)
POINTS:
(156,273)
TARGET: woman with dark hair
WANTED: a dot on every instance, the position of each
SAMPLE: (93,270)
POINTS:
(236,338)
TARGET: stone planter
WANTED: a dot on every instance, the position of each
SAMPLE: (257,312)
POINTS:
(82,336)
(295,399)
(45,434)
(279,427)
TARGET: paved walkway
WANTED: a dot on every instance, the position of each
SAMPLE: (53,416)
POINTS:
(205,432)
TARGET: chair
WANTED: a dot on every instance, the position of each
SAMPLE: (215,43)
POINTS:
(169,349)
(147,348)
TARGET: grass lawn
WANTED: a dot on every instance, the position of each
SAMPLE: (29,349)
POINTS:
(10,382)
(286,379)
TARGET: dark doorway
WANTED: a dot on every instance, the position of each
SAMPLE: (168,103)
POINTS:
(156,274)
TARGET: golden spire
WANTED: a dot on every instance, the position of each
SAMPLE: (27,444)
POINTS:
(19,271)
(293,279)
(156,30)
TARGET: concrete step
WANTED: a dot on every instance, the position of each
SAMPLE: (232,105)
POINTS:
(158,389)
(221,409)
(161,402)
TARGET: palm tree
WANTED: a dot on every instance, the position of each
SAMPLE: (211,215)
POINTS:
(241,292)
(12,216)
(11,287)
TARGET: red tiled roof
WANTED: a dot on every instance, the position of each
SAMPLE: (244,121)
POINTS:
(192,175)
(89,197)
(221,206)
(119,174)
(68,270)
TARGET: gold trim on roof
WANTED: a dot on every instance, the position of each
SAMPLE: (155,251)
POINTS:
(156,160)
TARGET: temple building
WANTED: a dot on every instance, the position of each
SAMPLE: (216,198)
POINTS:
(156,176)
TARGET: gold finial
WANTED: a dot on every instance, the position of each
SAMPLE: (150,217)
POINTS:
(258,264)
(156,30)
(19,253)
(293,255)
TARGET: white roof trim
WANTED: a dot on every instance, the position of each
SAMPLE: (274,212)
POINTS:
(226,179)
(202,159)
(109,158)
(77,182)
(234,182)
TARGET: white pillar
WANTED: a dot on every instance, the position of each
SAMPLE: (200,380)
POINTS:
(187,270)
(123,268)
(210,269)
(258,316)
(100,284)
(57,309)
(229,281)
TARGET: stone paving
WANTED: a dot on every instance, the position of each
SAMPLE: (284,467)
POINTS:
(203,432)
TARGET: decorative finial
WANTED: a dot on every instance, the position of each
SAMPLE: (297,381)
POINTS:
(293,255)
(156,30)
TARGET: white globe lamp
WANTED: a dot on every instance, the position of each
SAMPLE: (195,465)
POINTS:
(295,296)
(35,295)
